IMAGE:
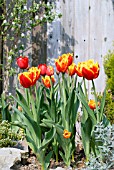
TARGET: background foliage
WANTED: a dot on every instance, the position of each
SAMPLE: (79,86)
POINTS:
(109,71)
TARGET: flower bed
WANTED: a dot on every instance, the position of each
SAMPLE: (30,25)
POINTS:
(49,108)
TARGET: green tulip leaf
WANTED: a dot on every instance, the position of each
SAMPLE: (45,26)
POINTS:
(47,159)
(48,137)
(102,105)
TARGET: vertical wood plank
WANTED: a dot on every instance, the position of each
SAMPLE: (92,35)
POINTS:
(101,34)
(89,25)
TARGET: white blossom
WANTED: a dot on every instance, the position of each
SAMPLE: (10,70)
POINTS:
(13,23)
(36,17)
(4,22)
(9,57)
(48,3)
(22,35)
(25,7)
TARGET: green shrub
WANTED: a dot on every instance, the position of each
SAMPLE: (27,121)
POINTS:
(109,71)
(8,137)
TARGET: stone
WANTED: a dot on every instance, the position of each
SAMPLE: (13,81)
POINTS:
(9,156)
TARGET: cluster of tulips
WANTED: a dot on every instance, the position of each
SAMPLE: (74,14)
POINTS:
(64,64)
(49,114)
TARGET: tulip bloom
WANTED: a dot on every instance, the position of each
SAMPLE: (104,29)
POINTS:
(92,104)
(79,69)
(49,71)
(36,72)
(66,134)
(61,65)
(90,70)
(72,69)
(70,58)
(27,79)
(47,81)
(43,68)
(22,62)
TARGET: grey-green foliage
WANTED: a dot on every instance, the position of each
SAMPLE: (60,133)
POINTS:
(104,136)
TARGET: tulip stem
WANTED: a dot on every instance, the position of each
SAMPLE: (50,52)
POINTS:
(64,94)
(95,94)
(85,89)
(33,105)
(27,97)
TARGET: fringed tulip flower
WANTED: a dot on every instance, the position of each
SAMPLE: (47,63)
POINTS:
(22,62)
(70,58)
(61,65)
(72,69)
(36,72)
(90,70)
(27,79)
(49,71)
(79,69)
(47,81)
(63,62)
(92,104)
(43,68)
(66,134)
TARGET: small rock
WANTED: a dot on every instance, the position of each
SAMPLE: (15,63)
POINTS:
(58,168)
(9,156)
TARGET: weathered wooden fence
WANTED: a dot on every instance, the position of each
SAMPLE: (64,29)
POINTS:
(86,28)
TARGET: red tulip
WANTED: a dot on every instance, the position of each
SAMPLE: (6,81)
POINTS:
(49,71)
(22,62)
(43,68)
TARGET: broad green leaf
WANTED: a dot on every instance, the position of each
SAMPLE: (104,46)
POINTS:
(21,98)
(63,156)
(31,143)
(47,159)
(31,126)
(102,105)
(6,114)
(90,112)
(84,115)
(53,108)
(25,107)
(48,137)
(86,131)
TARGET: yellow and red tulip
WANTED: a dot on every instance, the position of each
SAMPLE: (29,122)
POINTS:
(63,62)
(72,69)
(90,70)
(22,62)
(79,68)
(27,79)
(92,104)
(47,81)
(36,72)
